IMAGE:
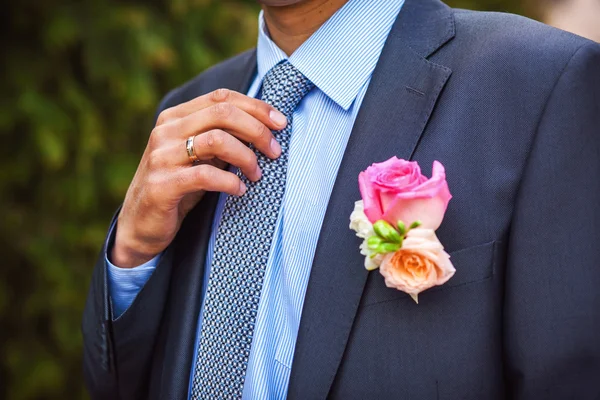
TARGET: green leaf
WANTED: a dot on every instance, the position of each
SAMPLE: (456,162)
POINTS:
(52,148)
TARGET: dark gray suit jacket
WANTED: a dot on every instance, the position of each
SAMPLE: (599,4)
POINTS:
(512,109)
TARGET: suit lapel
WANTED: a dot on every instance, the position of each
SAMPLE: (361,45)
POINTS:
(183,308)
(399,101)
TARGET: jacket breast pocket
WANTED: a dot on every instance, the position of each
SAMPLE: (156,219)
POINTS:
(473,264)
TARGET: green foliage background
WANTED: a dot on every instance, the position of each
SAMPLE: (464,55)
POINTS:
(79,86)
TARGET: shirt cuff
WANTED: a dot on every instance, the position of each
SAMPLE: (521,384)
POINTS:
(124,284)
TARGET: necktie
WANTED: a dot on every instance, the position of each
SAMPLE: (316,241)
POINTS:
(240,255)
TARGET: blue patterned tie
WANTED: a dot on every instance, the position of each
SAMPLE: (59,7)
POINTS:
(240,255)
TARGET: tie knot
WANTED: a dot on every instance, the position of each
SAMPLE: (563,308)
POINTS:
(284,87)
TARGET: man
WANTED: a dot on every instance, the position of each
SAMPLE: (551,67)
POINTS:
(259,292)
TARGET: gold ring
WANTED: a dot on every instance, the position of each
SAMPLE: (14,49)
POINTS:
(189,146)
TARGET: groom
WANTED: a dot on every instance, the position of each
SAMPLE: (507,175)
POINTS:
(230,271)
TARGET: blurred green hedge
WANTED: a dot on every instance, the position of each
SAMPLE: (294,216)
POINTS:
(79,86)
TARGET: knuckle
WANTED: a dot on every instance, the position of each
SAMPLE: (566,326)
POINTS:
(253,159)
(262,133)
(215,139)
(260,109)
(220,95)
(204,173)
(249,161)
(155,159)
(165,116)
(162,130)
(222,110)
(156,137)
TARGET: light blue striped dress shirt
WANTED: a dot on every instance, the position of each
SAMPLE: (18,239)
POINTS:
(339,59)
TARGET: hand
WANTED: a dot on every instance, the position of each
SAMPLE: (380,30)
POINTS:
(166,185)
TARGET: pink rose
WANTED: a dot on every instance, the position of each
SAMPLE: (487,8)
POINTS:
(420,264)
(395,190)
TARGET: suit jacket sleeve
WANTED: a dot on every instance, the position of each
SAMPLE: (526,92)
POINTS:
(117,354)
(552,298)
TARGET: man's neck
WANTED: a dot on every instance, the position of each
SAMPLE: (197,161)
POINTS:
(290,26)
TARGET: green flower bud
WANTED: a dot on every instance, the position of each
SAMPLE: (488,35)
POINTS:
(386,231)
(373,242)
(415,224)
(388,247)
(401,228)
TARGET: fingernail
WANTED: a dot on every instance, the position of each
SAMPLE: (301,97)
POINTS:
(258,173)
(278,118)
(242,188)
(275,148)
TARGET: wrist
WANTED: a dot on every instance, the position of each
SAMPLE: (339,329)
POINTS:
(126,255)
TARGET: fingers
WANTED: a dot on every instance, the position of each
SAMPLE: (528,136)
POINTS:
(217,144)
(220,144)
(227,117)
(165,183)
(249,119)
(260,110)
(209,178)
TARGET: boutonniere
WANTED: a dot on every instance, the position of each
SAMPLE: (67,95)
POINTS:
(397,218)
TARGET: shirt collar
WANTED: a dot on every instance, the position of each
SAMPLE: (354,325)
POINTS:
(341,55)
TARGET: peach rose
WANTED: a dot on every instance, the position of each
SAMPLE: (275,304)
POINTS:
(420,264)
(395,190)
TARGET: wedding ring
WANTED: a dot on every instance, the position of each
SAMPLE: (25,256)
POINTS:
(189,146)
